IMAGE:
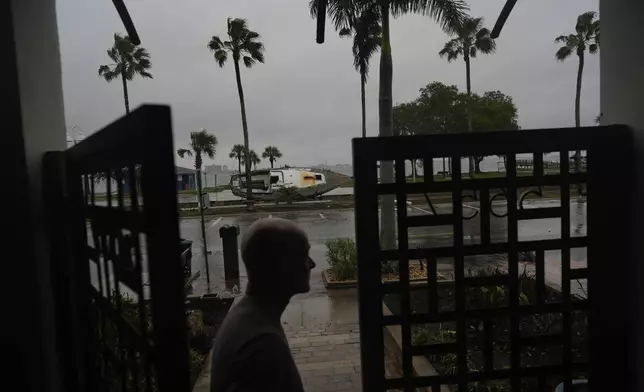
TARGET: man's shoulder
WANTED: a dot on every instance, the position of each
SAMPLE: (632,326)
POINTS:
(242,325)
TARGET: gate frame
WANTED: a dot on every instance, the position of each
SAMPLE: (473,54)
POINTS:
(609,237)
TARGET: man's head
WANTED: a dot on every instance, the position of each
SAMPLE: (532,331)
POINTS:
(276,254)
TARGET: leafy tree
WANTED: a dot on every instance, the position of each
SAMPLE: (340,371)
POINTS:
(366,41)
(586,37)
(448,13)
(471,38)
(244,45)
(443,109)
(237,152)
(272,153)
(253,159)
(201,143)
(129,60)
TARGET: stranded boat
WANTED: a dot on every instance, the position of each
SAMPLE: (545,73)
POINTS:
(268,183)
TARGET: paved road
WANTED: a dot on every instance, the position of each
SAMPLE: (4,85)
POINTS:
(322,226)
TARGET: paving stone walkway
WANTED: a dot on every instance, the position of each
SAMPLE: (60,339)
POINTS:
(328,358)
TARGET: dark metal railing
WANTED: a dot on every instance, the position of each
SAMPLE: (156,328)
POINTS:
(121,258)
(608,241)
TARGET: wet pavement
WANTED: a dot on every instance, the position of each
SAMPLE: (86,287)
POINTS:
(324,225)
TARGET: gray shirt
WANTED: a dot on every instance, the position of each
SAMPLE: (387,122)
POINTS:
(251,353)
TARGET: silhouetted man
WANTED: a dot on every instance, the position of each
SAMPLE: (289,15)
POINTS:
(251,352)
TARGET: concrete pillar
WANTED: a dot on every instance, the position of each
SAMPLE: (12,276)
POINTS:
(34,123)
(622,89)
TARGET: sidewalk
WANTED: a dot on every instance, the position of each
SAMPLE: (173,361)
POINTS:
(322,331)
(324,337)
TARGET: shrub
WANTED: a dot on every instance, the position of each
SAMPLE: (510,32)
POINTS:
(287,194)
(342,257)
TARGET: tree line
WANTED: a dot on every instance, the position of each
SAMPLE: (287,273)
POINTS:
(367,23)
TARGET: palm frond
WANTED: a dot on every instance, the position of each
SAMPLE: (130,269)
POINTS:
(473,51)
(593,48)
(254,49)
(345,32)
(596,30)
(561,39)
(484,41)
(341,12)
(563,53)
(113,54)
(237,28)
(366,40)
(585,22)
(449,14)
(249,61)
(203,142)
(452,49)
(182,152)
(107,73)
(221,56)
(215,43)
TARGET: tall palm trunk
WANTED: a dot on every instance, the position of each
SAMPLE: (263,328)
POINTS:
(468,84)
(125,95)
(364,104)
(271,160)
(203,223)
(387,212)
(247,164)
(239,166)
(580,72)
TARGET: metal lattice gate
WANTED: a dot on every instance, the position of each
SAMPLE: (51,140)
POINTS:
(119,279)
(490,344)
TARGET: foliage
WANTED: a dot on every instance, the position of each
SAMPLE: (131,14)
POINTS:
(471,38)
(586,37)
(366,32)
(287,194)
(253,158)
(243,44)
(237,152)
(342,257)
(129,60)
(443,109)
(201,143)
(272,153)
(196,360)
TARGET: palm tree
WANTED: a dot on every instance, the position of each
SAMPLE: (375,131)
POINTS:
(366,41)
(237,153)
(129,61)
(448,13)
(244,45)
(201,143)
(272,153)
(254,159)
(471,38)
(586,37)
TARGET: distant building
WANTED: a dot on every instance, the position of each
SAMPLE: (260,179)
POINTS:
(216,175)
(186,178)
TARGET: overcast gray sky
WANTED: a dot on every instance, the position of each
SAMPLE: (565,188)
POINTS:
(305,98)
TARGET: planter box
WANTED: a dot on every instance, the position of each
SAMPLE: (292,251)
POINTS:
(352,284)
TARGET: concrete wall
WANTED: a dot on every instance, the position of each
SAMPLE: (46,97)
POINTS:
(37,126)
(622,89)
